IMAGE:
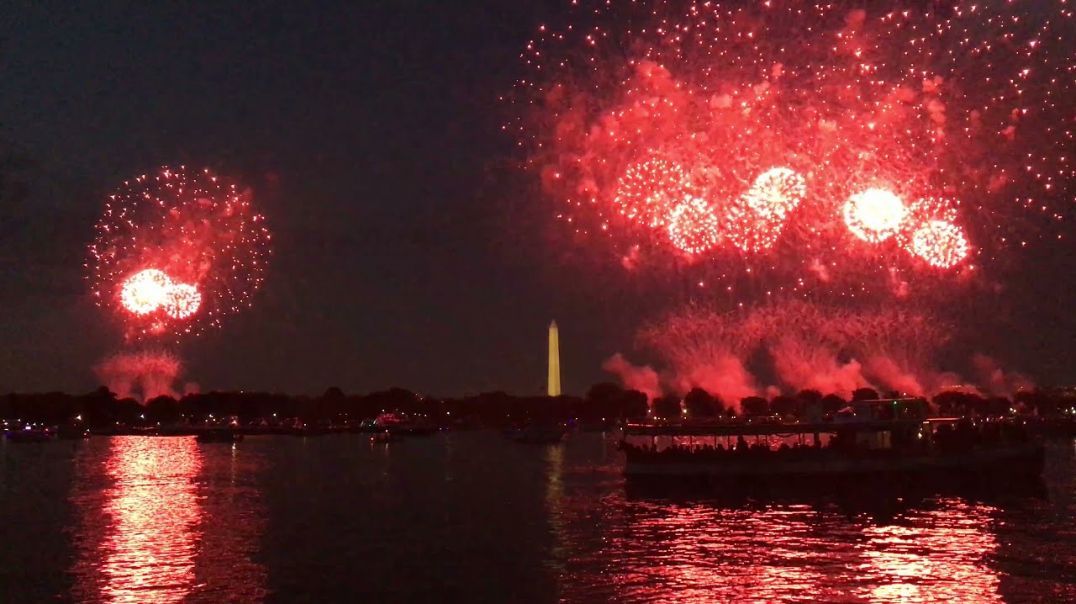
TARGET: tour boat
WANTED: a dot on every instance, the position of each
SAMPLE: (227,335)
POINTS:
(870,438)
(403,424)
(30,434)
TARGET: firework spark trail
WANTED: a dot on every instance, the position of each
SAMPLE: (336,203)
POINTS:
(649,192)
(693,227)
(803,365)
(810,346)
(805,345)
(175,252)
(897,347)
(706,349)
(628,105)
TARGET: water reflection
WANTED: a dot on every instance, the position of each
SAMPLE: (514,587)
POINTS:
(932,555)
(138,509)
(232,521)
(167,519)
(698,553)
(702,549)
(155,526)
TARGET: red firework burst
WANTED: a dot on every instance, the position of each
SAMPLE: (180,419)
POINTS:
(756,219)
(693,226)
(649,192)
(940,243)
(775,193)
(144,292)
(151,290)
(631,104)
(874,215)
(176,251)
(182,301)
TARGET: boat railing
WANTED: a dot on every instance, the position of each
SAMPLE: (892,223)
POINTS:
(937,435)
(748,428)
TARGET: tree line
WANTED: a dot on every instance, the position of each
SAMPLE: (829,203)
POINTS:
(604,403)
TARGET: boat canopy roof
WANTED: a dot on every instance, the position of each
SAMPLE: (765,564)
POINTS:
(764,428)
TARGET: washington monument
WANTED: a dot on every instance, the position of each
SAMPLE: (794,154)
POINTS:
(553,388)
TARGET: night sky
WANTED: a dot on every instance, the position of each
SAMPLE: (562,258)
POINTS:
(370,135)
(407,252)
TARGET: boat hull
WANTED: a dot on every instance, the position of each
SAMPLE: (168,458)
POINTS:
(1021,460)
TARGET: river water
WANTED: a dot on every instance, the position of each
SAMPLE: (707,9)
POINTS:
(471,517)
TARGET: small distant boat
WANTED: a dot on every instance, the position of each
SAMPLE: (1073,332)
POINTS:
(403,424)
(537,434)
(30,434)
(218,436)
(384,437)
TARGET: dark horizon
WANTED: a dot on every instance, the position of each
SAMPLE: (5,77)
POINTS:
(406,252)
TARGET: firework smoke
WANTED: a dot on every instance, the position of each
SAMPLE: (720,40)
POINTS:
(805,346)
(704,349)
(802,366)
(643,379)
(142,376)
(996,380)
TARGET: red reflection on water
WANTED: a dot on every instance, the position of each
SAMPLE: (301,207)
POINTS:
(698,553)
(140,514)
(233,518)
(662,551)
(941,556)
(165,519)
